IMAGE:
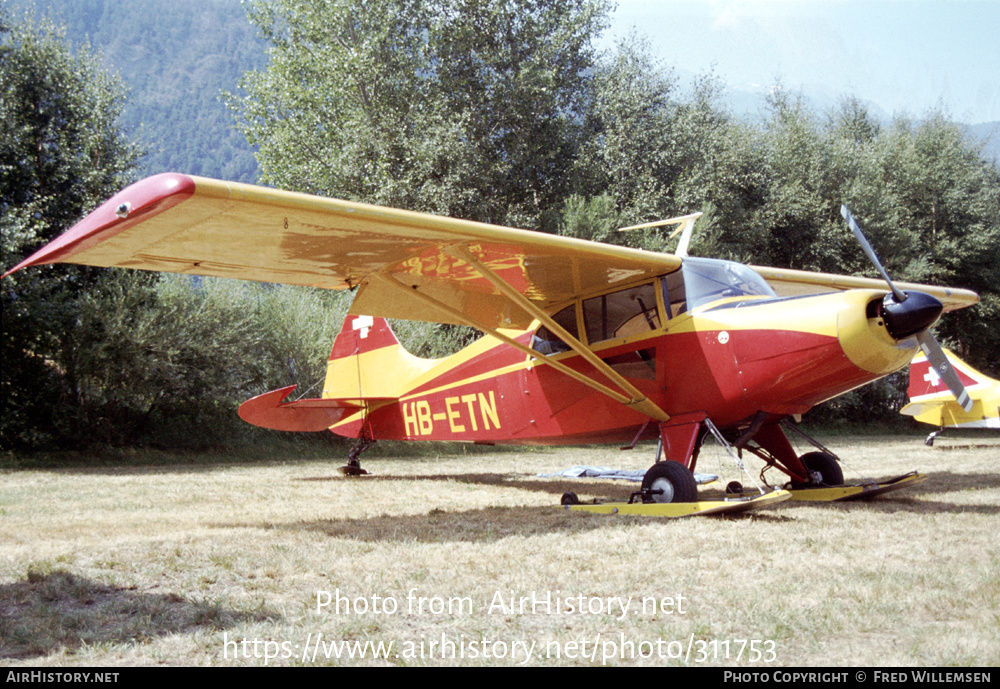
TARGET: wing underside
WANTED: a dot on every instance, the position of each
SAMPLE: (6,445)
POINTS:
(182,224)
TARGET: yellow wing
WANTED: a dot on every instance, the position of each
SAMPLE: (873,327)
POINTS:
(787,283)
(182,224)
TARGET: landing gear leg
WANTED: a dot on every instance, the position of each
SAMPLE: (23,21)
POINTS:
(822,467)
(353,466)
(672,480)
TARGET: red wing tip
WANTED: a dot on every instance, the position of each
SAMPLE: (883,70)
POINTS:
(131,205)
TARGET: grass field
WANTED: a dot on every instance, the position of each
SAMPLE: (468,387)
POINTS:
(468,560)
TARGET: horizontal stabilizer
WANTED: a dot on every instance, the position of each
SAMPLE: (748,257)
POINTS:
(270,411)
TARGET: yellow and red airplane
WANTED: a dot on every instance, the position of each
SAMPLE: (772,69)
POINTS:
(932,402)
(583,342)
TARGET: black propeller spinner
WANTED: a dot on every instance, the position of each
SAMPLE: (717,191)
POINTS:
(909,314)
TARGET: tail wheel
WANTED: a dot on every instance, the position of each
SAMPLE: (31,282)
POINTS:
(823,469)
(669,482)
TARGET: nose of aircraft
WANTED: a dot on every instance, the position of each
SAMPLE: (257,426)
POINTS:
(915,314)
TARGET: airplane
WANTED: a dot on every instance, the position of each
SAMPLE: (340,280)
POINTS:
(931,401)
(582,342)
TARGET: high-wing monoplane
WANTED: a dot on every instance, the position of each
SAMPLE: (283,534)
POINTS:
(932,402)
(582,342)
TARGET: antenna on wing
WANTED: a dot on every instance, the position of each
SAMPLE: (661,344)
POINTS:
(686,226)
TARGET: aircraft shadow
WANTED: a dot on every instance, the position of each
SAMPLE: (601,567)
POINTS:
(46,612)
(479,525)
(489,523)
(611,490)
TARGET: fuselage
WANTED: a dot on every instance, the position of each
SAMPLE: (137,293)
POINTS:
(710,338)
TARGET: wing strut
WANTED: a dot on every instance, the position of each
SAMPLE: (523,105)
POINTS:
(638,400)
(633,396)
(460,317)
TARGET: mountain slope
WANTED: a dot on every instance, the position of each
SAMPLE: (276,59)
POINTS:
(176,58)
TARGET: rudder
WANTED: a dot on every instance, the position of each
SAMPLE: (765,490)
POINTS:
(360,335)
(367,361)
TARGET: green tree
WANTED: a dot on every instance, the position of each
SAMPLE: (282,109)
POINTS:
(928,201)
(466,108)
(61,152)
(652,151)
(167,362)
(469,108)
(945,209)
(629,152)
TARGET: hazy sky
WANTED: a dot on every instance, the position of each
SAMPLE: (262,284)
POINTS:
(906,56)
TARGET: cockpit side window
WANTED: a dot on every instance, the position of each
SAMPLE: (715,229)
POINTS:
(674,294)
(627,312)
(546,342)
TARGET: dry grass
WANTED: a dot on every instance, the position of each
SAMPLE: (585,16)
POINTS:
(165,565)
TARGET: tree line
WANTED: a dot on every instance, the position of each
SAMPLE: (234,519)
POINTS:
(501,111)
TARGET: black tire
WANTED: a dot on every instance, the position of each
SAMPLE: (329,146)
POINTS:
(569,498)
(826,466)
(673,479)
(734,488)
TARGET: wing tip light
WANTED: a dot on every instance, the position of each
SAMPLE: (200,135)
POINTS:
(137,201)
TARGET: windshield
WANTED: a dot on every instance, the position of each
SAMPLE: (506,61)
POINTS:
(706,280)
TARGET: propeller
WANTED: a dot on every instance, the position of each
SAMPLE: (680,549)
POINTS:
(912,314)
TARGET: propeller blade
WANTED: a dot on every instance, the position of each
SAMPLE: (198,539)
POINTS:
(940,363)
(899,295)
(911,321)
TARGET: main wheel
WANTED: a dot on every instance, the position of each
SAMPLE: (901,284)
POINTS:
(673,481)
(823,469)
(569,498)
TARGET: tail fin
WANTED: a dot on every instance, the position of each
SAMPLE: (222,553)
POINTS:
(931,402)
(367,361)
(926,383)
(367,364)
